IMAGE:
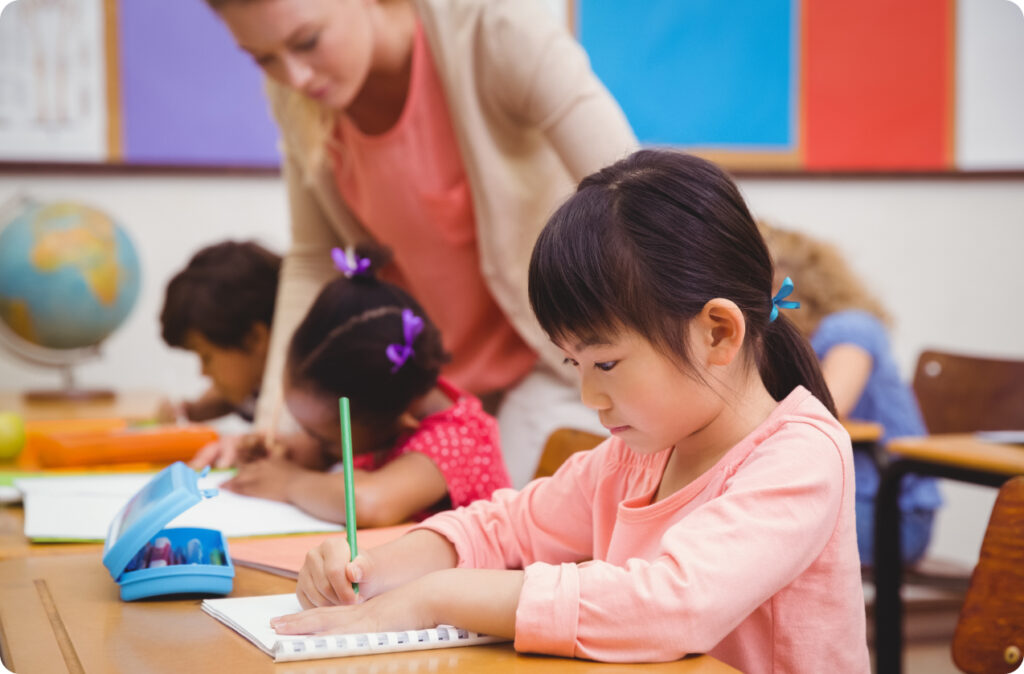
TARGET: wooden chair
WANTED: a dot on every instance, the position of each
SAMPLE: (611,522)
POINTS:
(989,635)
(964,394)
(959,393)
(561,444)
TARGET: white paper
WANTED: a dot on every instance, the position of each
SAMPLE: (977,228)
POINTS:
(82,507)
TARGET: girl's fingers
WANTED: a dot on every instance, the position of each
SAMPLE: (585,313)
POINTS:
(322,575)
(335,572)
(313,621)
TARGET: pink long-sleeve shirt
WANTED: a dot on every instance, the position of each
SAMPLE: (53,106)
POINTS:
(754,562)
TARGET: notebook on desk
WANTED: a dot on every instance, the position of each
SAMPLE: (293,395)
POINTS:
(1003,437)
(250,617)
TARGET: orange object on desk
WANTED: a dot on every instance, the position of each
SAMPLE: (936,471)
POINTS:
(91,442)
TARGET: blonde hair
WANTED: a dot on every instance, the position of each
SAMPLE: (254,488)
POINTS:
(306,126)
(823,281)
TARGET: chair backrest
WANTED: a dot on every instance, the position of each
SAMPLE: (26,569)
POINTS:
(561,444)
(963,394)
(989,635)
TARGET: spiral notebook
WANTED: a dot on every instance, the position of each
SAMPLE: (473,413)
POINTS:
(250,617)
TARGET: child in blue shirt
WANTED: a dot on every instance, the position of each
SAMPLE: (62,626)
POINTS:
(847,328)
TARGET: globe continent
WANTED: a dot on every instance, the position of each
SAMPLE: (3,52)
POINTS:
(69,275)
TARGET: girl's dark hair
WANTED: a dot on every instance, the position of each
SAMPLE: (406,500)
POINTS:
(340,347)
(644,244)
(224,290)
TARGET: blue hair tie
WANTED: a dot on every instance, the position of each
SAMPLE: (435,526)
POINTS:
(780,299)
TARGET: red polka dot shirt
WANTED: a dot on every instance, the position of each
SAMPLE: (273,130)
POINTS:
(463,443)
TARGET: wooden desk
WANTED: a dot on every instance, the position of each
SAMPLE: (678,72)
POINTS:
(863,431)
(954,457)
(63,614)
(134,405)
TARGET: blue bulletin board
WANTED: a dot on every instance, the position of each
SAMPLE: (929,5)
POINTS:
(700,72)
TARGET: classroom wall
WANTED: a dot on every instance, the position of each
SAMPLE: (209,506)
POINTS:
(943,255)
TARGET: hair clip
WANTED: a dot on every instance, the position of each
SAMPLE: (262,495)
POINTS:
(412,325)
(348,263)
(779,300)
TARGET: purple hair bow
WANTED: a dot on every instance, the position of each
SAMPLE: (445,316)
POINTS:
(412,325)
(347,262)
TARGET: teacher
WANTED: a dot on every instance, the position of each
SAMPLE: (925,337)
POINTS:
(448,131)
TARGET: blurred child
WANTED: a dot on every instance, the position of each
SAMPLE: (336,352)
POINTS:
(421,444)
(847,328)
(718,517)
(220,307)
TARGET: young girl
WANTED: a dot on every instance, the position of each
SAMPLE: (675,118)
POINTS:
(718,517)
(847,329)
(421,444)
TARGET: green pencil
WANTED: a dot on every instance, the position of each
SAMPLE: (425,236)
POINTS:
(350,493)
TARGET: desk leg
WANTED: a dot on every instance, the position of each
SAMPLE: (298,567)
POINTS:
(888,572)
(888,561)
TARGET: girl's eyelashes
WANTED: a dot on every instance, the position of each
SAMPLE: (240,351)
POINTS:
(604,366)
(308,44)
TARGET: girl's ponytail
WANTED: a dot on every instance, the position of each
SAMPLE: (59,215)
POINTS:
(787,361)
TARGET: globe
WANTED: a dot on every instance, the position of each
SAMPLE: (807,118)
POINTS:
(69,276)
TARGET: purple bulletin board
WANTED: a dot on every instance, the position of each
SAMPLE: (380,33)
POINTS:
(189,96)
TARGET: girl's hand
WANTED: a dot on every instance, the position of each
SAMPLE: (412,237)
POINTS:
(327,575)
(270,478)
(481,600)
(256,446)
(219,454)
(410,606)
(231,450)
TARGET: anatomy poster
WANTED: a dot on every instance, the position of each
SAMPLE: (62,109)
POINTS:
(53,81)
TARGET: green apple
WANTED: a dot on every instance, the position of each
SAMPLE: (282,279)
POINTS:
(12,435)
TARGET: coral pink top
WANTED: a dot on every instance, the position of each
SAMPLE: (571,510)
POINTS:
(754,562)
(408,188)
(463,443)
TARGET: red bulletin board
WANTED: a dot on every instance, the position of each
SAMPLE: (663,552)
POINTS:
(878,84)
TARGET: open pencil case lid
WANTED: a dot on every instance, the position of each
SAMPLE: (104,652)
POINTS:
(169,493)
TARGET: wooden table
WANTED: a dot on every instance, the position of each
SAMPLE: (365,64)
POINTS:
(863,431)
(134,405)
(63,614)
(956,457)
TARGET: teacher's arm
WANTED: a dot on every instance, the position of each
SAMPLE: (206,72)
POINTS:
(306,268)
(544,78)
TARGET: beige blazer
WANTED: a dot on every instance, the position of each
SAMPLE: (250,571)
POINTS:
(531,120)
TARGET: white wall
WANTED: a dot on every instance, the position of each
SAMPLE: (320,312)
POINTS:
(943,255)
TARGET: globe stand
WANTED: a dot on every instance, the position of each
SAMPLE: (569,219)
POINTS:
(69,393)
(63,360)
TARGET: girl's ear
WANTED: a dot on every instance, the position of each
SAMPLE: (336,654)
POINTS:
(721,330)
(257,340)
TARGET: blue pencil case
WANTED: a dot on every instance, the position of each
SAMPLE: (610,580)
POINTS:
(148,560)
